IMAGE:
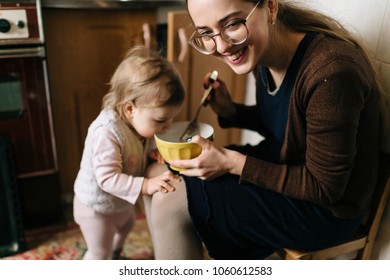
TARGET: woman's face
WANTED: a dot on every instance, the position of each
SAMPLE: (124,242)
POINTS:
(209,16)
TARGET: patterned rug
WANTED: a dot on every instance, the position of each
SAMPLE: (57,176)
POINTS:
(65,242)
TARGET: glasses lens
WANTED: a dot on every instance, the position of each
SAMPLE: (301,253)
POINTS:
(235,33)
(204,44)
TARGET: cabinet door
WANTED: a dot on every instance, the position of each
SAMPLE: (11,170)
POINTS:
(193,66)
(84,47)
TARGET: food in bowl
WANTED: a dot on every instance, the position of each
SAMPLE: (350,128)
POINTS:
(172,147)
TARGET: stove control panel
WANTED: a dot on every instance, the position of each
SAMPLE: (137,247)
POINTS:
(13,24)
(20,23)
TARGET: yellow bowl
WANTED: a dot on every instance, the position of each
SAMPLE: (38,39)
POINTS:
(171,147)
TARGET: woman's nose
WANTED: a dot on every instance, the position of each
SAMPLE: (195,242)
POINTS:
(221,44)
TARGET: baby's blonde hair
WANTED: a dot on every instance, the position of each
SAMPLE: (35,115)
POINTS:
(140,77)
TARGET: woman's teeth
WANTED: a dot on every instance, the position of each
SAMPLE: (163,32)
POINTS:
(237,55)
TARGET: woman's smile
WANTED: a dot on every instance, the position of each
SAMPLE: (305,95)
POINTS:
(237,57)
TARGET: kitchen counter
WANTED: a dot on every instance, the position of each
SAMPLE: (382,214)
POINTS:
(110,4)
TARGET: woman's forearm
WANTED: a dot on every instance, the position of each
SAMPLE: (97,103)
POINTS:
(235,162)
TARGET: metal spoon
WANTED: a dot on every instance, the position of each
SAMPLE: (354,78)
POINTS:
(193,127)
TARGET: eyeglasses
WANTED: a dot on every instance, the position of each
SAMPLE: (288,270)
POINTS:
(235,32)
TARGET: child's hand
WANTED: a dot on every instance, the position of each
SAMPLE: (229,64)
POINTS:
(159,183)
(155,155)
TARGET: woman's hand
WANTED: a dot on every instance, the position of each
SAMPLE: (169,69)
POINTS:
(213,161)
(219,98)
(159,183)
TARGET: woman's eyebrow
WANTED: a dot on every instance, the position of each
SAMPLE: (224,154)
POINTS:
(222,20)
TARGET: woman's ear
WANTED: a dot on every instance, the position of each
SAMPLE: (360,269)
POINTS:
(272,6)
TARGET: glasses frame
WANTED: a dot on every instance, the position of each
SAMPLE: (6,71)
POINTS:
(191,41)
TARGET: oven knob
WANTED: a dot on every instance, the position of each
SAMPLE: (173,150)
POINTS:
(21,24)
(5,26)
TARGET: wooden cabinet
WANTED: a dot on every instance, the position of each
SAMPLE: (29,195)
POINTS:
(84,47)
(193,66)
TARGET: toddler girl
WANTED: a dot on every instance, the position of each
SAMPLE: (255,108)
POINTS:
(146,93)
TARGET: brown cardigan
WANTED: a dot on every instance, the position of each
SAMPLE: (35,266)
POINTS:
(331,147)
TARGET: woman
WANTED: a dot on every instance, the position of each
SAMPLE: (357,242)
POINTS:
(307,185)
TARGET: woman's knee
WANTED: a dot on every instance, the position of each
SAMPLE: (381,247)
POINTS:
(163,200)
(172,204)
(166,206)
(155,169)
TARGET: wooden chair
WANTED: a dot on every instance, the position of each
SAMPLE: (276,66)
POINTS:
(363,241)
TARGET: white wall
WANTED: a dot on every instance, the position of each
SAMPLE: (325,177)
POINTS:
(370,21)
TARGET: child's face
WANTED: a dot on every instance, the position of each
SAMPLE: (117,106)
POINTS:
(148,121)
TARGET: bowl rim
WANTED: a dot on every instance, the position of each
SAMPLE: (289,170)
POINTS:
(183,143)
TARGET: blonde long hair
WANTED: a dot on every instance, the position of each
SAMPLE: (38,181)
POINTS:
(139,79)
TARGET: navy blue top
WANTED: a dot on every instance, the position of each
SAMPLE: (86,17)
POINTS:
(274,108)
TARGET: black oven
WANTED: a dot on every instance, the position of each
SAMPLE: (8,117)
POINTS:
(25,116)
(25,111)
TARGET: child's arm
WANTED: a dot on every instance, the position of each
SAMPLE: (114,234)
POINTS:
(153,153)
(108,167)
(155,156)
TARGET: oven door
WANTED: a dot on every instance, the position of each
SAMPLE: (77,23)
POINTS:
(25,112)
